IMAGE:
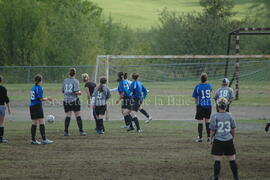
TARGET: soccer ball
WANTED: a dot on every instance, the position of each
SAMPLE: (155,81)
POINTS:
(50,119)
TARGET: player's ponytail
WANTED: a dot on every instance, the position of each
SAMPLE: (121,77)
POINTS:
(125,75)
(102,81)
(38,78)
(120,76)
(72,72)
(204,77)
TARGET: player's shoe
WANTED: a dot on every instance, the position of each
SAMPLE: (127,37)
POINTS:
(100,132)
(139,131)
(125,127)
(82,133)
(46,141)
(149,119)
(199,139)
(35,142)
(66,133)
(3,140)
(130,129)
(267,127)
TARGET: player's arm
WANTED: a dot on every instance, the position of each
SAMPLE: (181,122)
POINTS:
(233,132)
(145,92)
(233,127)
(195,95)
(40,96)
(86,89)
(6,100)
(76,88)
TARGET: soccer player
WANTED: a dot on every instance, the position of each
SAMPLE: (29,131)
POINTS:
(71,90)
(4,102)
(139,93)
(125,96)
(36,111)
(225,92)
(89,89)
(142,110)
(99,102)
(202,96)
(222,133)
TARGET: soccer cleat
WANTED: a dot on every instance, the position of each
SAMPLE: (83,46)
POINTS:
(82,133)
(35,142)
(149,119)
(66,133)
(3,140)
(199,139)
(125,127)
(139,131)
(267,127)
(46,141)
(100,132)
(130,129)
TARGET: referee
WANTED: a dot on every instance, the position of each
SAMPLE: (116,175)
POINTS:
(4,102)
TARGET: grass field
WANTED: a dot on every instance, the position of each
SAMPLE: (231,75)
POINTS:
(165,150)
(252,93)
(144,13)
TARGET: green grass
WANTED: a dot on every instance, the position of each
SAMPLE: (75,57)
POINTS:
(144,13)
(165,150)
(252,93)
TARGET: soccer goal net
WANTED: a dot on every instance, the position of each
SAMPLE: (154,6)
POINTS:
(172,78)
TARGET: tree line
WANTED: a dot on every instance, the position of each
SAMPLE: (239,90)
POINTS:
(74,32)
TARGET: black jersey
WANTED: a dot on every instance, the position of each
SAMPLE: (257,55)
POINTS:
(3,95)
(91,87)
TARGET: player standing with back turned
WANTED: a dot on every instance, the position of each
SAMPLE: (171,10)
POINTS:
(202,95)
(71,90)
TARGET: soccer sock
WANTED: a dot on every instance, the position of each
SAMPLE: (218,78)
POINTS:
(128,118)
(216,169)
(33,132)
(79,122)
(267,127)
(67,121)
(42,131)
(1,132)
(200,129)
(99,124)
(95,117)
(234,169)
(207,128)
(102,125)
(136,121)
(144,113)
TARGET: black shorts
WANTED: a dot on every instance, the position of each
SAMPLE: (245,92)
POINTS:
(72,106)
(136,104)
(227,109)
(220,148)
(36,112)
(100,110)
(126,103)
(202,113)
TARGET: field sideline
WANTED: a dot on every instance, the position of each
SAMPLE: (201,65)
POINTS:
(166,150)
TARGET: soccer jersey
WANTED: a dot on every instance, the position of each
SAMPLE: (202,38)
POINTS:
(225,92)
(91,87)
(202,92)
(3,95)
(222,123)
(70,86)
(138,90)
(123,86)
(36,94)
(100,97)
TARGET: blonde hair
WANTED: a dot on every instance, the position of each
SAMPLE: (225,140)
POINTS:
(85,77)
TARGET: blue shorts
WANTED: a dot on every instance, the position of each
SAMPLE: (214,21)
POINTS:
(2,110)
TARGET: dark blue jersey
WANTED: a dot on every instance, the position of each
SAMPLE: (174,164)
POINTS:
(202,92)
(123,86)
(35,95)
(138,90)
